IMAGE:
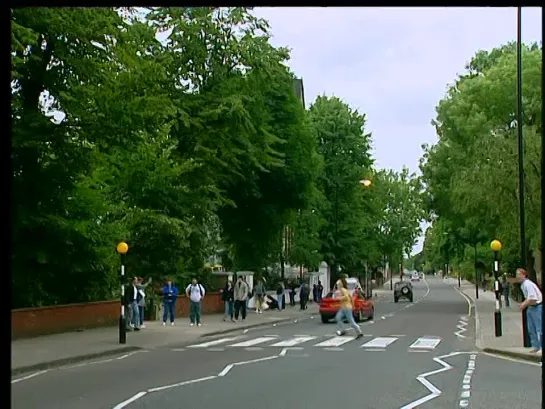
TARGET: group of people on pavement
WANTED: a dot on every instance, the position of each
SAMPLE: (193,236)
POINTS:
(135,301)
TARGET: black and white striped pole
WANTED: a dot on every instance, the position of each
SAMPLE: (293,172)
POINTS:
(122,249)
(496,246)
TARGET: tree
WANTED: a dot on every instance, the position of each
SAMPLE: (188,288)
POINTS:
(471,173)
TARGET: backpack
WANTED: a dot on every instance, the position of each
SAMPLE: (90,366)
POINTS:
(200,289)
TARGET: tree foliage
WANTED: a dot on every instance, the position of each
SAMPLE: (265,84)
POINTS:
(177,130)
(471,174)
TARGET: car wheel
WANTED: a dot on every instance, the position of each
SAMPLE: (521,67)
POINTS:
(372,315)
(325,320)
(405,291)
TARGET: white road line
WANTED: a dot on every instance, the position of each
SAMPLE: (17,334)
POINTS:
(253,342)
(162,388)
(469,302)
(130,400)
(24,378)
(334,342)
(425,343)
(380,342)
(434,392)
(466,382)
(212,343)
(462,327)
(226,370)
(293,341)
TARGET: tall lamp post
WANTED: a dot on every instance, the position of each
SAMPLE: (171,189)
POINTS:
(496,246)
(122,249)
(476,272)
(542,209)
(522,222)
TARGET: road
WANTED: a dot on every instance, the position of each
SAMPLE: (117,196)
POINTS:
(412,355)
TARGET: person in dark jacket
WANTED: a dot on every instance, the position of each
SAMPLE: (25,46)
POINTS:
(228,297)
(170,292)
(304,291)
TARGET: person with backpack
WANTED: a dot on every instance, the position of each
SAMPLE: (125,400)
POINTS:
(195,293)
(240,294)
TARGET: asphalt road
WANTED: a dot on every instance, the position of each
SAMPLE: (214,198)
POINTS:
(305,364)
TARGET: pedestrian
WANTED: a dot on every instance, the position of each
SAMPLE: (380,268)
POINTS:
(128,308)
(315,293)
(227,296)
(142,302)
(259,291)
(195,292)
(280,295)
(345,310)
(303,295)
(505,290)
(240,295)
(320,291)
(134,298)
(170,292)
(292,294)
(533,299)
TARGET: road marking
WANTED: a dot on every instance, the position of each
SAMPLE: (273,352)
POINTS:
(466,382)
(216,349)
(380,342)
(434,392)
(226,370)
(335,342)
(293,341)
(212,343)
(130,400)
(425,343)
(466,298)
(462,327)
(253,349)
(253,342)
(175,385)
(24,378)
(334,349)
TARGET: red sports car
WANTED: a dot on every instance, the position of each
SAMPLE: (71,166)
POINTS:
(364,308)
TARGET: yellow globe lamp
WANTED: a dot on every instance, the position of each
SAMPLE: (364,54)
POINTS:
(122,248)
(495,245)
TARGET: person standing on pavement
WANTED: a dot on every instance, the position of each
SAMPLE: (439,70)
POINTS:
(259,296)
(142,302)
(345,312)
(134,298)
(170,292)
(227,296)
(320,291)
(241,295)
(292,294)
(533,300)
(303,295)
(195,292)
(280,295)
(505,290)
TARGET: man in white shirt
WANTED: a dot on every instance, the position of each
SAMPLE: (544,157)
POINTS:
(533,301)
(195,292)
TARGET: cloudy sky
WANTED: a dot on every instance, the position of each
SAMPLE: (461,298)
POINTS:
(394,64)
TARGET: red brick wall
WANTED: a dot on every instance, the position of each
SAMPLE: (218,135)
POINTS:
(30,322)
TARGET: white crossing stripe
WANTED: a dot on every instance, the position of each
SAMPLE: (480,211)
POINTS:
(335,342)
(425,343)
(212,343)
(380,342)
(292,342)
(254,341)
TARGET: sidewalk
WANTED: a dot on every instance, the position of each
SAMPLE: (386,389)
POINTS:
(61,349)
(511,342)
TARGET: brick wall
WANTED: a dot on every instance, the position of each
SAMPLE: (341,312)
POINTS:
(30,322)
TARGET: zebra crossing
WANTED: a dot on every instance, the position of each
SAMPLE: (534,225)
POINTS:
(422,343)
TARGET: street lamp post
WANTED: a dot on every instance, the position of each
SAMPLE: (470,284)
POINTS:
(522,222)
(122,249)
(496,246)
(476,275)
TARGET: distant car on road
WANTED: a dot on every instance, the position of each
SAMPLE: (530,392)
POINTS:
(415,276)
(403,289)
(364,308)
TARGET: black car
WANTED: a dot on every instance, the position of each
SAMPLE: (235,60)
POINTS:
(403,289)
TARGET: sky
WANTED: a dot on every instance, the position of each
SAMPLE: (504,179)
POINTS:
(393,64)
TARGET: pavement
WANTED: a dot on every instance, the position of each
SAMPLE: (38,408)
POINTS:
(511,341)
(68,348)
(412,355)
